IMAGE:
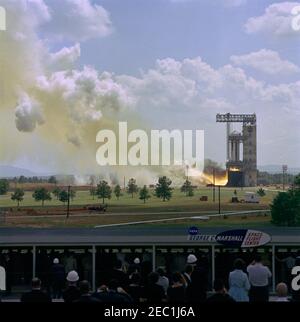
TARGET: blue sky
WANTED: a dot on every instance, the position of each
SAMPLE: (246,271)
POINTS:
(145,30)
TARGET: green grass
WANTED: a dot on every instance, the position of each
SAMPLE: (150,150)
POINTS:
(179,201)
(92,221)
(129,209)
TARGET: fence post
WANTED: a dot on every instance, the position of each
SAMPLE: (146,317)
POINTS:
(94,268)
(33,261)
(153,258)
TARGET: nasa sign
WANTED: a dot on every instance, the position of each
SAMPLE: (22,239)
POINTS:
(243,238)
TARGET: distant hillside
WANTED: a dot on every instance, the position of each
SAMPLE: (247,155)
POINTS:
(7,171)
(277,169)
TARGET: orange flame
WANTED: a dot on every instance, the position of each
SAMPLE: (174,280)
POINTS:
(234,169)
(220,179)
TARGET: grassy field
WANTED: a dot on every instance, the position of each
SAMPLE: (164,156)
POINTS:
(128,209)
(126,203)
(92,221)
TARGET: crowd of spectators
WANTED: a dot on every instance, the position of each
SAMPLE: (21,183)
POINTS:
(127,285)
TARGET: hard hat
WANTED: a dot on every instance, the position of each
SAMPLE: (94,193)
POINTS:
(72,276)
(192,259)
(137,261)
(56,261)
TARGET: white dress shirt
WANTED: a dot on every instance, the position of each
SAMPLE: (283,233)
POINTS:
(258,274)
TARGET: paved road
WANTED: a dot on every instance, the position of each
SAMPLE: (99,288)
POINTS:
(204,216)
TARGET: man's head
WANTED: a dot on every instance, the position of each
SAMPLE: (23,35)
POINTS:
(257,258)
(281,290)
(118,264)
(137,261)
(219,286)
(113,285)
(36,283)
(160,271)
(189,269)
(84,287)
(192,259)
(153,278)
(238,264)
(72,277)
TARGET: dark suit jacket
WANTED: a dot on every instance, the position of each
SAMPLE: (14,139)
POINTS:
(35,296)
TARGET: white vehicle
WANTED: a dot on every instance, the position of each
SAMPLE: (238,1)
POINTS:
(251,197)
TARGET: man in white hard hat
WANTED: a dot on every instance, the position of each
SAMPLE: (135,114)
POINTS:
(192,259)
(72,292)
(58,278)
(135,267)
(199,279)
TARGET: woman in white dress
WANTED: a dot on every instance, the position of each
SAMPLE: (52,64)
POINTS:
(239,285)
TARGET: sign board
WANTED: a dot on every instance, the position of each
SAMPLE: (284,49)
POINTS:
(233,238)
(243,238)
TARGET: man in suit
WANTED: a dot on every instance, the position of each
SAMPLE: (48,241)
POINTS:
(118,274)
(58,278)
(199,280)
(86,296)
(72,292)
(35,295)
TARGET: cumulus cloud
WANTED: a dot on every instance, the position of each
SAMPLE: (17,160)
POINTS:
(267,61)
(65,58)
(71,20)
(77,20)
(28,114)
(276,20)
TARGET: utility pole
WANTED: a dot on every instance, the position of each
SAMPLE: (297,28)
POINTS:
(68,206)
(284,171)
(187,180)
(214,185)
(187,173)
(219,199)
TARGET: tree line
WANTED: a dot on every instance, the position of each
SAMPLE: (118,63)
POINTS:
(43,194)
(163,190)
(102,190)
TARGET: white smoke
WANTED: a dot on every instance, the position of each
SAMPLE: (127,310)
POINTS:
(65,58)
(28,114)
(64,106)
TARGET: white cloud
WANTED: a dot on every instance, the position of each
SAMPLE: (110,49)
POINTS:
(267,61)
(28,114)
(71,20)
(77,20)
(276,20)
(65,58)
